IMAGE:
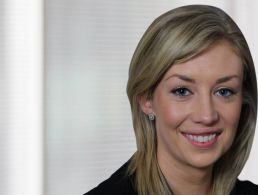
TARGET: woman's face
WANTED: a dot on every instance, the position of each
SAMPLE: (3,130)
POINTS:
(197,107)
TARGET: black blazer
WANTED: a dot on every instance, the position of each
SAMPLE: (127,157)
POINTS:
(121,184)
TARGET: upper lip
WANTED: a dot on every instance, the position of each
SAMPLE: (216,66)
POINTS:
(202,131)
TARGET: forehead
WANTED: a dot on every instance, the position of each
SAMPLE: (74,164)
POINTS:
(218,60)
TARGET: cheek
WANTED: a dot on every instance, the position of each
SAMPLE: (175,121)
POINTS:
(232,116)
(230,130)
(230,119)
(171,115)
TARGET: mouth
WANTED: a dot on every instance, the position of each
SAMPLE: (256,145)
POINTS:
(202,140)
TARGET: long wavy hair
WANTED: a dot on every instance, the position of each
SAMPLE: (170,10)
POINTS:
(177,36)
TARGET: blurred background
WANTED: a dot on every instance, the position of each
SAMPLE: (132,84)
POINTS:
(65,122)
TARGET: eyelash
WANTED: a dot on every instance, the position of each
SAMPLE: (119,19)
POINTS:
(179,91)
(184,92)
(229,92)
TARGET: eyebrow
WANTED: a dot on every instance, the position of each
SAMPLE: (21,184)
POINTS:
(182,77)
(226,78)
(190,80)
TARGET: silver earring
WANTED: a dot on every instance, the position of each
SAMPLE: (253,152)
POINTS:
(151,117)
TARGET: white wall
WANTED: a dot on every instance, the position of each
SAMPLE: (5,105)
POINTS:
(89,45)
(21,106)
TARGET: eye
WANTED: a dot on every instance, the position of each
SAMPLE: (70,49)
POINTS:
(224,92)
(181,91)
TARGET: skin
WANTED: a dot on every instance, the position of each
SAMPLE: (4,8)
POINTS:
(200,96)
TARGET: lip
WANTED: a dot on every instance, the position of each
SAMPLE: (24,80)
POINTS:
(202,132)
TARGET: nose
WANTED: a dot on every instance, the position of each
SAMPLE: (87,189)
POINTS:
(204,111)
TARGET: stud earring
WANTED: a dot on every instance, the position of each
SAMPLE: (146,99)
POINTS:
(151,117)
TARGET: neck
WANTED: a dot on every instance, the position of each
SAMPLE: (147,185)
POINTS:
(184,179)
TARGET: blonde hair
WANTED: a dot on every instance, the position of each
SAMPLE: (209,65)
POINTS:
(177,36)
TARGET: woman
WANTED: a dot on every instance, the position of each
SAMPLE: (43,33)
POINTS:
(193,95)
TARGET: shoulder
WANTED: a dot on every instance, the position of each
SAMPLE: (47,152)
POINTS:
(119,183)
(245,187)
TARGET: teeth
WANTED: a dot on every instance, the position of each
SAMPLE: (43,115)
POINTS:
(200,138)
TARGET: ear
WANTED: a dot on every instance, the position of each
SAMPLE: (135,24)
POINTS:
(146,104)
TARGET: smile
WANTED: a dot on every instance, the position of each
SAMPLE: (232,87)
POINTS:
(200,138)
(202,141)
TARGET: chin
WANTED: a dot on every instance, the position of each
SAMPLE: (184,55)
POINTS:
(203,161)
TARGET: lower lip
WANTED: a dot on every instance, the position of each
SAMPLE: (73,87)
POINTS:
(203,145)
